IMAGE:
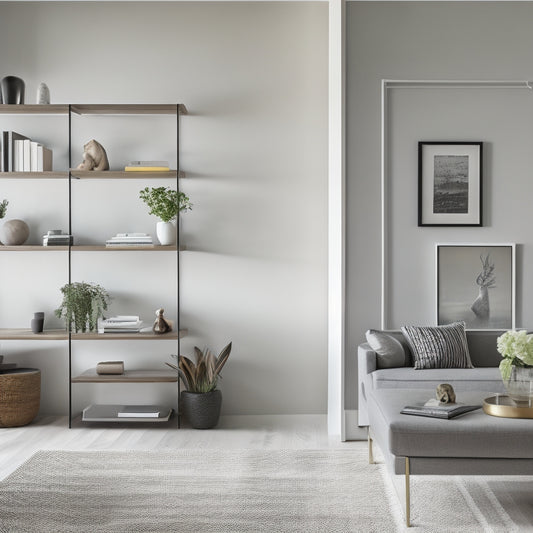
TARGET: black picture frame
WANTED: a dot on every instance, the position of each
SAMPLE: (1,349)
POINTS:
(450,183)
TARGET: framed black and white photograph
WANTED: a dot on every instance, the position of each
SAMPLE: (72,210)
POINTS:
(476,283)
(450,183)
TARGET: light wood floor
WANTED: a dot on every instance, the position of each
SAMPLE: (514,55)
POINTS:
(245,432)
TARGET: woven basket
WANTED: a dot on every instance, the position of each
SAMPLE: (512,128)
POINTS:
(20,396)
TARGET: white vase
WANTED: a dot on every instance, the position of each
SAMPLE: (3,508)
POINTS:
(166,233)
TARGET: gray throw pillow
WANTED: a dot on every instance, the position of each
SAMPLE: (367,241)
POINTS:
(389,351)
(439,346)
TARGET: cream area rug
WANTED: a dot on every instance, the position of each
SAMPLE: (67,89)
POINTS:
(196,491)
(249,491)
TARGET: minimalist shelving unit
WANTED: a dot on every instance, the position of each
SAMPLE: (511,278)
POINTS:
(72,176)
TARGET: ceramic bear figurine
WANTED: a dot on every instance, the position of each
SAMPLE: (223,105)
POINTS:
(445,393)
(94,157)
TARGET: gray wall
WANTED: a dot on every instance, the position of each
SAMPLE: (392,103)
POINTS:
(434,41)
(254,78)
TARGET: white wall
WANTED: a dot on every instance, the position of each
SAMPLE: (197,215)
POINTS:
(254,145)
(432,40)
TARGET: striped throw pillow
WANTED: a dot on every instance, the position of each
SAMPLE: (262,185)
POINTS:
(439,346)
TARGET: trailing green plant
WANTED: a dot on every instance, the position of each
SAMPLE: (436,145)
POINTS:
(203,375)
(3,208)
(83,304)
(164,202)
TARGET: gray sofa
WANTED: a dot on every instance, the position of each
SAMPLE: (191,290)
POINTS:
(485,376)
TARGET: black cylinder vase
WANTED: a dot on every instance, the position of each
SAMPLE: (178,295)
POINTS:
(12,89)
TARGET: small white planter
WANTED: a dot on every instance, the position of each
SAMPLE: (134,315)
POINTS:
(166,233)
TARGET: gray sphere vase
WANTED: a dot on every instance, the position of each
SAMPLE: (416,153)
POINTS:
(14,232)
(201,409)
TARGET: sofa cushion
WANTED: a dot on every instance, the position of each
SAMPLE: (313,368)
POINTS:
(439,346)
(389,351)
(473,435)
(461,379)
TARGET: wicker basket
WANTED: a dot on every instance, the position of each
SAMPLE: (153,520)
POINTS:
(20,396)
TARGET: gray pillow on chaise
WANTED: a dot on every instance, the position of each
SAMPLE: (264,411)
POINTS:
(389,351)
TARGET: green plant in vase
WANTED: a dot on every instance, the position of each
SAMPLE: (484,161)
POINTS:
(201,401)
(83,304)
(3,208)
(166,204)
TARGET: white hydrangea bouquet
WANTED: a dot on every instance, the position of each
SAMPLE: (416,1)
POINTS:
(516,348)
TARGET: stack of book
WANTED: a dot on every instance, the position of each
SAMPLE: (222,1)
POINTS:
(147,166)
(434,409)
(120,324)
(56,238)
(130,239)
(21,154)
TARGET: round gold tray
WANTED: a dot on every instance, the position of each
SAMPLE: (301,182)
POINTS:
(505,407)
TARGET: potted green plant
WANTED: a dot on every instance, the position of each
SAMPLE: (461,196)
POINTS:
(83,304)
(201,402)
(3,208)
(166,204)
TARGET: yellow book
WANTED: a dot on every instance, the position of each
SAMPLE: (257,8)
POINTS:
(146,169)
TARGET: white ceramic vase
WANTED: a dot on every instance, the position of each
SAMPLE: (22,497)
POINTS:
(166,233)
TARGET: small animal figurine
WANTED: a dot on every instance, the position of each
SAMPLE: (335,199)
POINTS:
(445,393)
(94,157)
(161,325)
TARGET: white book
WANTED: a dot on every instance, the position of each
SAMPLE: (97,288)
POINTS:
(142,163)
(123,318)
(34,156)
(18,154)
(26,156)
(140,411)
(130,235)
(40,149)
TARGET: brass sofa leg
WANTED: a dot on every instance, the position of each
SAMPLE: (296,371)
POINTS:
(370,451)
(407,495)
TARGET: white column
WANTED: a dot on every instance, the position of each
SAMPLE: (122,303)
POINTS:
(336,217)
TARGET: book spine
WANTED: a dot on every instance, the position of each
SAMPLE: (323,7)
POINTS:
(26,155)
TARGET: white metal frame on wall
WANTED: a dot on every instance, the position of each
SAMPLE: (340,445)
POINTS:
(386,86)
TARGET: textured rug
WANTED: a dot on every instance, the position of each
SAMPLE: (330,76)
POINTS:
(196,491)
(250,491)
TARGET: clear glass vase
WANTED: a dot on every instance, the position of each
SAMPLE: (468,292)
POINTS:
(519,386)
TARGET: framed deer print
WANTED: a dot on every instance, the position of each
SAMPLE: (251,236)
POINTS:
(476,283)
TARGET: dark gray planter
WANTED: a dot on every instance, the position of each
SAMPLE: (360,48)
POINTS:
(201,409)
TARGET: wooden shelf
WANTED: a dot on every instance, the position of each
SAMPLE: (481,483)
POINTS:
(173,335)
(109,413)
(52,175)
(61,334)
(124,174)
(34,109)
(126,248)
(89,248)
(129,109)
(32,248)
(129,376)
(27,334)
